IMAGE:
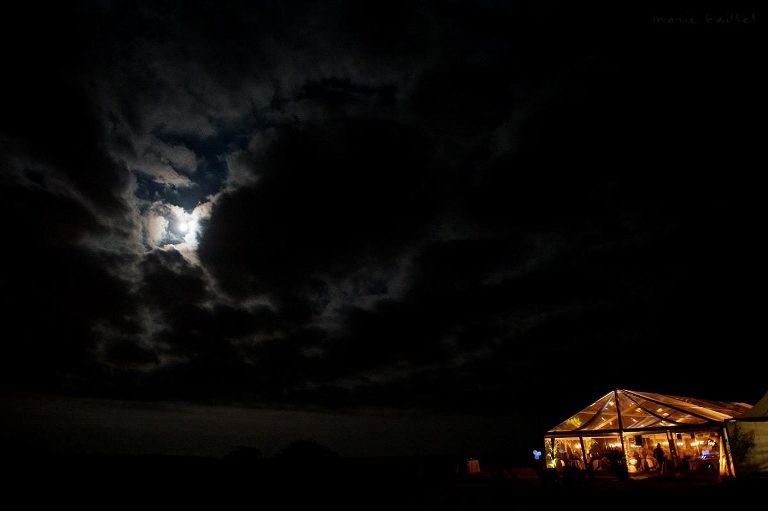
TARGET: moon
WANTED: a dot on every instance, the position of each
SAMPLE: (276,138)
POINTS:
(182,226)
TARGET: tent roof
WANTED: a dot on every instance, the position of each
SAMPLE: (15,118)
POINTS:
(623,409)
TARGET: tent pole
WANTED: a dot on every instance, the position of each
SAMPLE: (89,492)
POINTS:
(727,448)
(672,451)
(621,426)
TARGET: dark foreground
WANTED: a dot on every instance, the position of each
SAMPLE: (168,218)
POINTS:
(105,482)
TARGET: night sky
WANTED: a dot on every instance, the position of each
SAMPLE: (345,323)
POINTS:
(390,227)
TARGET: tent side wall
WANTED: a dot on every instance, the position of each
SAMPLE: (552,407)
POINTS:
(755,460)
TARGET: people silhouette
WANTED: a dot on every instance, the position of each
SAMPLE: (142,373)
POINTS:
(658,453)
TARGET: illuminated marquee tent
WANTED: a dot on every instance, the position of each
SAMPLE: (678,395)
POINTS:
(625,426)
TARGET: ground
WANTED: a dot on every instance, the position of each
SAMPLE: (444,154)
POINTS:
(91,482)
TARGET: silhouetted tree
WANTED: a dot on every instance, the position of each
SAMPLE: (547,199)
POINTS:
(741,442)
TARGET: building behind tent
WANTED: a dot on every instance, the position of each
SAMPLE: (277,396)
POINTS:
(748,435)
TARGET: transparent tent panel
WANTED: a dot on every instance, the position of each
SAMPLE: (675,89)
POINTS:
(608,418)
(595,452)
(712,410)
(634,416)
(695,452)
(644,413)
(602,452)
(581,419)
(565,452)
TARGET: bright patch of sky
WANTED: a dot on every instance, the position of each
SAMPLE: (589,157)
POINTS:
(171,212)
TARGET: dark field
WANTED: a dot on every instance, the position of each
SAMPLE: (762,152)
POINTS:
(105,482)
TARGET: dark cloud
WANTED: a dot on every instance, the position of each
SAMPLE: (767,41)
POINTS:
(55,290)
(171,281)
(438,206)
(50,124)
(322,205)
(65,212)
